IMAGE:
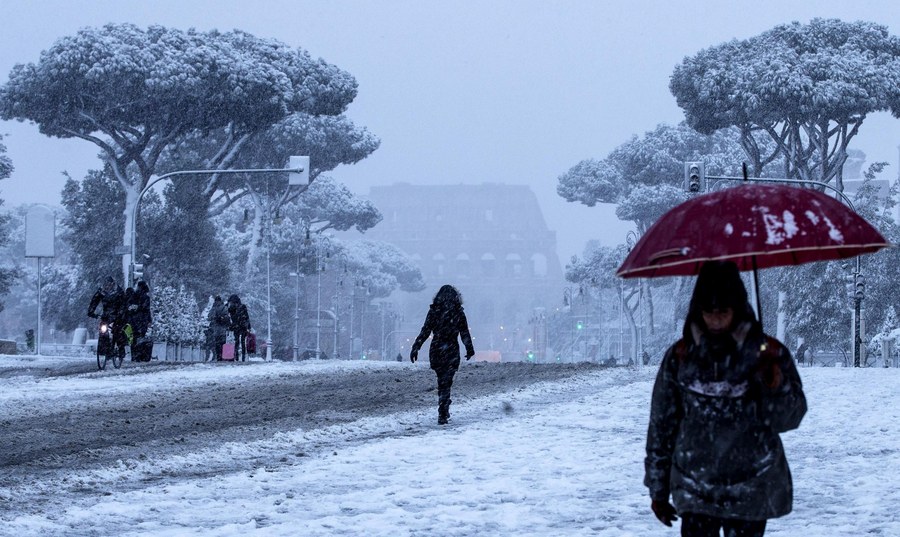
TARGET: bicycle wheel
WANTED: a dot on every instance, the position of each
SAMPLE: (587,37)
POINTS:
(118,356)
(101,356)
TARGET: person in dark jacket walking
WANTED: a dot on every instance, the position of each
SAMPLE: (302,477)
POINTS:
(140,317)
(722,395)
(240,325)
(447,321)
(219,321)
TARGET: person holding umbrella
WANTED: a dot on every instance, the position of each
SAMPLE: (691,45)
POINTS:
(722,395)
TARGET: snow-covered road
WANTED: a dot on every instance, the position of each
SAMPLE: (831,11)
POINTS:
(556,457)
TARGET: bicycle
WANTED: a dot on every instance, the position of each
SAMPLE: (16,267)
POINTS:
(108,348)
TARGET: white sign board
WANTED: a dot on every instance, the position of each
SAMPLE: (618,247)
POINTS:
(298,177)
(40,232)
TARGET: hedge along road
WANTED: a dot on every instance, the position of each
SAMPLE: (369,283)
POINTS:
(94,429)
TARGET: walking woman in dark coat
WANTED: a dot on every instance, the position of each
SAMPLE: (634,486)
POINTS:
(447,321)
(240,325)
(219,321)
(723,394)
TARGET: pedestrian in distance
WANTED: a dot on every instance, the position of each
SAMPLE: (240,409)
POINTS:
(208,344)
(140,317)
(240,326)
(446,320)
(722,395)
(219,322)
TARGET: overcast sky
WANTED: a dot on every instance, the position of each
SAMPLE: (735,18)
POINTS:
(459,92)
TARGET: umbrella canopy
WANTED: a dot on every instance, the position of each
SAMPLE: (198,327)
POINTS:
(754,225)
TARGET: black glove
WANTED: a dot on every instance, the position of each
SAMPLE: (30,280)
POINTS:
(92,315)
(469,356)
(664,512)
(413,356)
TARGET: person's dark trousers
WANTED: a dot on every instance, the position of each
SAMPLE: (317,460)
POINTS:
(445,382)
(120,338)
(138,350)
(217,350)
(240,342)
(694,525)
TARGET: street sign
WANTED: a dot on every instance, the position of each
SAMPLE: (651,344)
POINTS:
(40,232)
(298,177)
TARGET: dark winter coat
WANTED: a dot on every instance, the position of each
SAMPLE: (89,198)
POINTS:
(113,303)
(718,408)
(219,321)
(240,318)
(139,315)
(447,324)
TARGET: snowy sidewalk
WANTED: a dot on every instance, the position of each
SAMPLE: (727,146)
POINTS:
(518,464)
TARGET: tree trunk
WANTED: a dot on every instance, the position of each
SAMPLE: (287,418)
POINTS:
(131,200)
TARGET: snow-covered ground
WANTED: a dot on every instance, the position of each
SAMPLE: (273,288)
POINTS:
(557,458)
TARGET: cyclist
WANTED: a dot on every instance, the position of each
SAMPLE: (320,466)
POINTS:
(112,299)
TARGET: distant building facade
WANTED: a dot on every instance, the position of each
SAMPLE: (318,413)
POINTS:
(488,240)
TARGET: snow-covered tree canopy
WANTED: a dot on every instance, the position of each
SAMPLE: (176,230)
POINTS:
(6,166)
(382,267)
(7,274)
(808,87)
(330,205)
(143,88)
(598,268)
(134,92)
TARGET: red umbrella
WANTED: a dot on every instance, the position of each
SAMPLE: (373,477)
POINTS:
(756,226)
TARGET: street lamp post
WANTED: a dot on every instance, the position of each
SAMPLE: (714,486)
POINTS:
(130,255)
(269,297)
(335,306)
(319,270)
(298,274)
(383,308)
(621,318)
(352,308)
(858,294)
(362,321)
(390,335)
(131,249)
(631,239)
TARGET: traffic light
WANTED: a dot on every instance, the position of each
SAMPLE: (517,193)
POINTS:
(530,355)
(694,177)
(860,286)
(137,271)
(579,325)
